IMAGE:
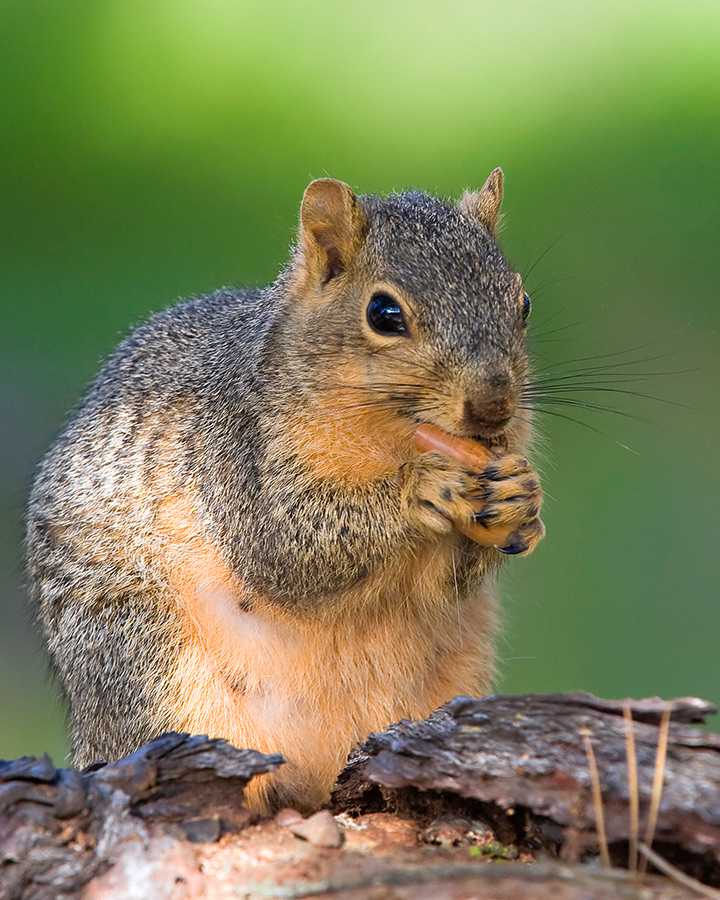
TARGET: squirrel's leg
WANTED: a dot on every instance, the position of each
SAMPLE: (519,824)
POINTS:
(114,658)
(108,621)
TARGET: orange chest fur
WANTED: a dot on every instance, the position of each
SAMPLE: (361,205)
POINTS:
(311,686)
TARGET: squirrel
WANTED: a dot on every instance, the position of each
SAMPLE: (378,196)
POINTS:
(233,534)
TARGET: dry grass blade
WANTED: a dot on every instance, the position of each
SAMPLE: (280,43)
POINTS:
(660,757)
(668,869)
(633,794)
(597,799)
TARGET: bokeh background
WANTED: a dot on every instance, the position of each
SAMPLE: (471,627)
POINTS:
(158,149)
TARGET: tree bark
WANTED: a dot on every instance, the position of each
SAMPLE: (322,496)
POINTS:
(421,811)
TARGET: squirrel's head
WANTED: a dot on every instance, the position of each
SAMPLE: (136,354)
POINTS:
(412,298)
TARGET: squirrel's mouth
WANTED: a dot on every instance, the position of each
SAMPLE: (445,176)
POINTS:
(496,442)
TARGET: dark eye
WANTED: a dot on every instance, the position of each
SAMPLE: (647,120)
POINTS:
(526,306)
(385,315)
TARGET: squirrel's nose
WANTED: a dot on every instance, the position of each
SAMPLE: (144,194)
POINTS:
(487,417)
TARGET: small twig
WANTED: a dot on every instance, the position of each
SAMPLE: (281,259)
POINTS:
(660,757)
(597,799)
(668,869)
(633,793)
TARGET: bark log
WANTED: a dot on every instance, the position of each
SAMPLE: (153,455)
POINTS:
(423,810)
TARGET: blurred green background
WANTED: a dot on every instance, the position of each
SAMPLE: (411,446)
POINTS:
(160,149)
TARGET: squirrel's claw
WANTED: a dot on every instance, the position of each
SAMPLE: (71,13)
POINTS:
(525,539)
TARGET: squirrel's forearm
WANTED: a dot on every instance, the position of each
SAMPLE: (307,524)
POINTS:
(314,539)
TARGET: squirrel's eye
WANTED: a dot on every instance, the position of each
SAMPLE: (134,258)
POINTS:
(385,315)
(526,306)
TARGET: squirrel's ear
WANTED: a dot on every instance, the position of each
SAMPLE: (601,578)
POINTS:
(330,226)
(484,205)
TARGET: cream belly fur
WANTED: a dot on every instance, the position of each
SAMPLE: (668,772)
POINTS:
(310,687)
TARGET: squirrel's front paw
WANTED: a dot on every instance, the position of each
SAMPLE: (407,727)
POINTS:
(437,492)
(511,495)
(504,499)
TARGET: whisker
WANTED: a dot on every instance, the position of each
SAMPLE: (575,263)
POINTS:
(582,404)
(546,395)
(550,318)
(536,336)
(630,362)
(537,289)
(558,415)
(599,377)
(542,256)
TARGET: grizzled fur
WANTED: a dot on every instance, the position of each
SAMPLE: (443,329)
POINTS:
(203,398)
(434,251)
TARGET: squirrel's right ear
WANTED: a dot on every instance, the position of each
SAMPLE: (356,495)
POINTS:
(484,205)
(331,226)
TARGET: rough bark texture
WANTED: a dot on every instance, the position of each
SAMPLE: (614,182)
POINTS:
(423,810)
(520,763)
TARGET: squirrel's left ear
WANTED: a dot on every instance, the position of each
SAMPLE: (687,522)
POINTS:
(331,226)
(484,205)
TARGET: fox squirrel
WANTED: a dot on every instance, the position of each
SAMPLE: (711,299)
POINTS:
(220,541)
